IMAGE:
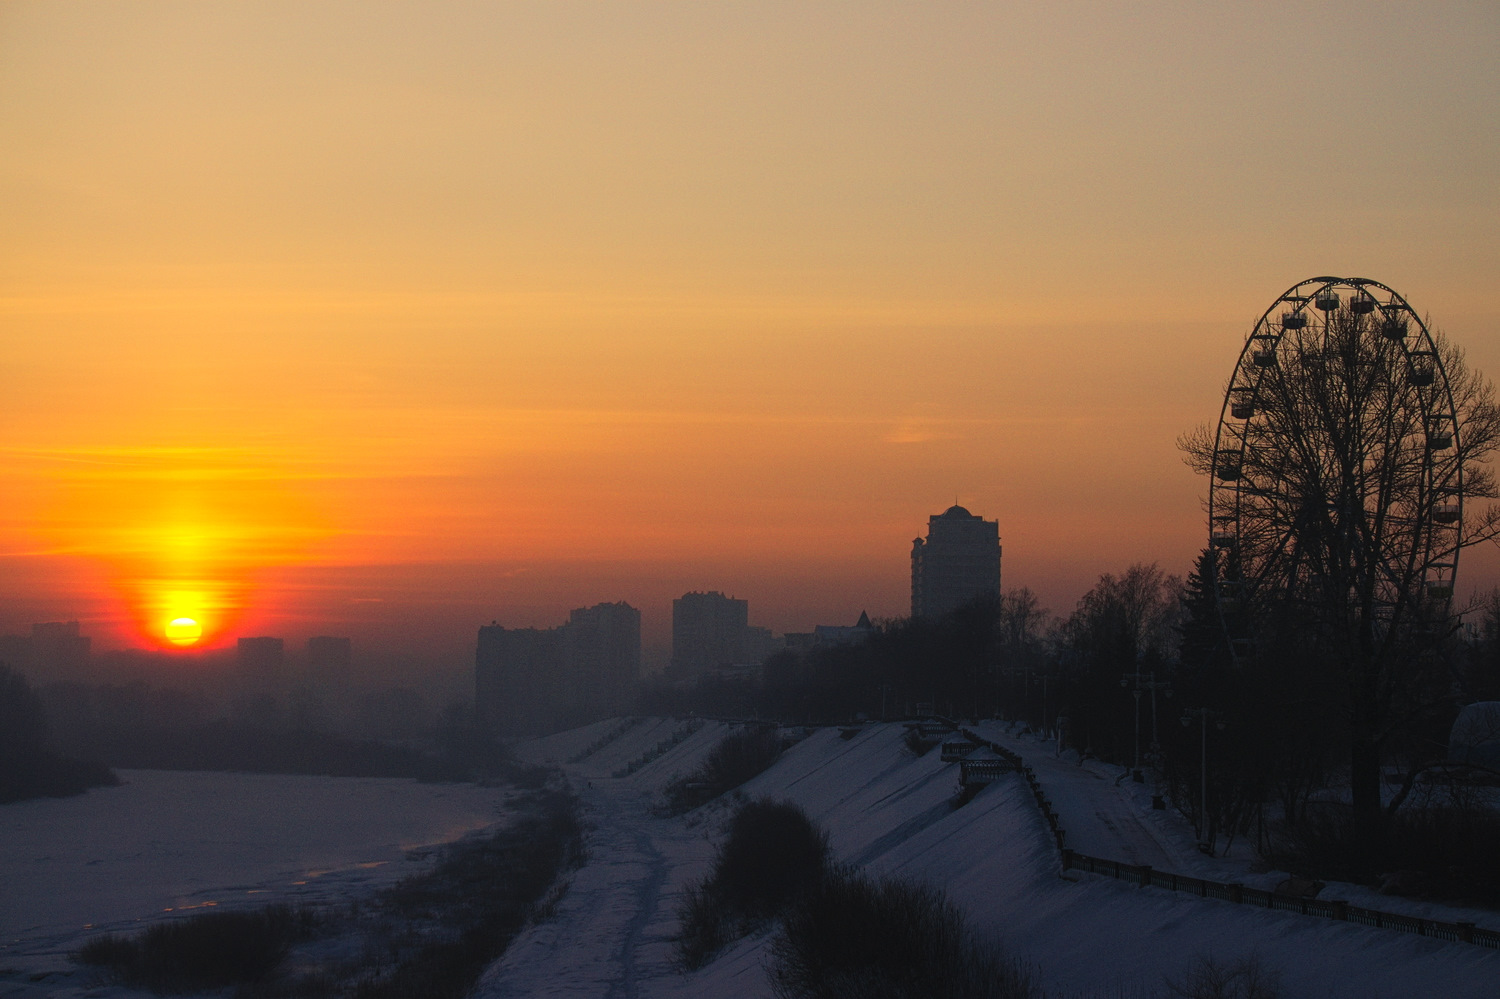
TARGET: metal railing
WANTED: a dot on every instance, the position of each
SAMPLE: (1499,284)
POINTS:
(1146,876)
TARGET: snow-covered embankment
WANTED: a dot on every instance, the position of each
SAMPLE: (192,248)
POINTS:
(891,812)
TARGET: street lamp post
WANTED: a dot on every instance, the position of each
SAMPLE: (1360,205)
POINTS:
(1027,672)
(1203,715)
(1143,682)
(1154,685)
(1046,728)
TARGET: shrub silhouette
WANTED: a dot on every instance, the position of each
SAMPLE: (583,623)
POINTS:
(209,951)
(852,935)
(738,757)
(772,855)
(1208,978)
(918,743)
(1451,846)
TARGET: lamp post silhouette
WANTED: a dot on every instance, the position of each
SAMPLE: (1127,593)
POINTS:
(1203,715)
(1027,672)
(1144,682)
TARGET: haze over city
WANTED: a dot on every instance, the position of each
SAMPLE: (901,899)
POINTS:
(389,322)
(674,499)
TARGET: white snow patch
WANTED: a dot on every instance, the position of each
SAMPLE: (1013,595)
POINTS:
(890,811)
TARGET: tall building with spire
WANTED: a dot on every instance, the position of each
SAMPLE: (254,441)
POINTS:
(957,561)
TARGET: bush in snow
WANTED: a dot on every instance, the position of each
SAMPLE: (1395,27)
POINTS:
(886,939)
(1245,978)
(210,951)
(772,855)
(1438,849)
(738,757)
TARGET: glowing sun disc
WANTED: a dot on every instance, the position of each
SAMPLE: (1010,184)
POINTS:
(183,631)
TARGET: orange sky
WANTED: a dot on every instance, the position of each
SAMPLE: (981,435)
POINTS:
(389,320)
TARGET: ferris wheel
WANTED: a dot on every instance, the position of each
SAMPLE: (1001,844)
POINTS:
(1336,487)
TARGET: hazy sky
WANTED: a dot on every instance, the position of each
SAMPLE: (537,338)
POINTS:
(393,319)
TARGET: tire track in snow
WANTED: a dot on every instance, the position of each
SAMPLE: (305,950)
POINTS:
(647,897)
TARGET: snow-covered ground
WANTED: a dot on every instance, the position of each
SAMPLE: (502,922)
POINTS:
(1107,816)
(165,842)
(886,809)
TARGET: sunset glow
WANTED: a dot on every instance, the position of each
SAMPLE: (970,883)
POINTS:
(390,322)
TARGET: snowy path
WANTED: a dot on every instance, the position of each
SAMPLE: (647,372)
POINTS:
(612,934)
(1102,814)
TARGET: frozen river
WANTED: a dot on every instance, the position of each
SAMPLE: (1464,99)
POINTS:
(165,841)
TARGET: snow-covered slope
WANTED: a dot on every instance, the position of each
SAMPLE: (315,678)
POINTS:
(888,810)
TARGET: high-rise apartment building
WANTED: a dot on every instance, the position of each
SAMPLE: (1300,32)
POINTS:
(529,681)
(709,631)
(957,561)
(517,679)
(601,648)
(260,663)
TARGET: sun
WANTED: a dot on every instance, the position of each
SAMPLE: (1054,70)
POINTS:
(183,631)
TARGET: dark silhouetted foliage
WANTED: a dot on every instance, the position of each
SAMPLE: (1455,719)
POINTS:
(28,768)
(1442,850)
(772,854)
(918,743)
(852,935)
(1209,978)
(738,757)
(208,951)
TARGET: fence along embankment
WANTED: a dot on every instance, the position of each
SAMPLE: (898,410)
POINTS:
(1146,876)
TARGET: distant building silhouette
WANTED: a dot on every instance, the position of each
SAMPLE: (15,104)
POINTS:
(517,674)
(601,651)
(834,634)
(711,632)
(54,650)
(825,635)
(329,660)
(261,663)
(958,561)
(529,681)
(260,656)
(58,649)
(758,645)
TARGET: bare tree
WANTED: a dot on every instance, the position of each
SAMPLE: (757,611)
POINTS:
(1339,488)
(1127,618)
(1124,624)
